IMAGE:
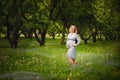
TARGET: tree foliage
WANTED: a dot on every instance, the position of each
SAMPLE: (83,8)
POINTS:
(96,19)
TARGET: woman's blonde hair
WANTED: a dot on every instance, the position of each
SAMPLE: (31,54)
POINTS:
(75,28)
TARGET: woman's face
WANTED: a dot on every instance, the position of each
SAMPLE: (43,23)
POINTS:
(73,30)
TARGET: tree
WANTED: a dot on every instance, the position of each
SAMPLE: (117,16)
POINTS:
(55,8)
(107,13)
(12,19)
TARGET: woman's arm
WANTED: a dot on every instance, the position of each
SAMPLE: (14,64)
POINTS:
(78,40)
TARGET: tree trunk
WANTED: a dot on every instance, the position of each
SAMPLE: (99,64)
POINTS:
(36,37)
(100,36)
(12,38)
(43,35)
(94,38)
(63,35)
(53,35)
(85,41)
(41,40)
(63,38)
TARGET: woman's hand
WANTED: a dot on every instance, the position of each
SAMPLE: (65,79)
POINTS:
(67,46)
(74,44)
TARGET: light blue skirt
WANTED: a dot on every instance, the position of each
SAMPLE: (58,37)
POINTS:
(71,53)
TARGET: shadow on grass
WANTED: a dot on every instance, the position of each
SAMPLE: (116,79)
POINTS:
(21,76)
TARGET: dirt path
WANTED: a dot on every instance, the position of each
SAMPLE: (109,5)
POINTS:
(21,76)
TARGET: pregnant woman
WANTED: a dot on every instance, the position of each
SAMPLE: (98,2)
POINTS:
(72,41)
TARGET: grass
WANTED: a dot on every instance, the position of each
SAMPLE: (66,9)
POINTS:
(95,61)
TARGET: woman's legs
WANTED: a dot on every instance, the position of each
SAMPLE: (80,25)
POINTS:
(72,61)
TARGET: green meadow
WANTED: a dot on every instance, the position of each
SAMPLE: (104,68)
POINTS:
(94,61)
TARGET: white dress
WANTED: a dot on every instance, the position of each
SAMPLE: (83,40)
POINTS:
(70,41)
